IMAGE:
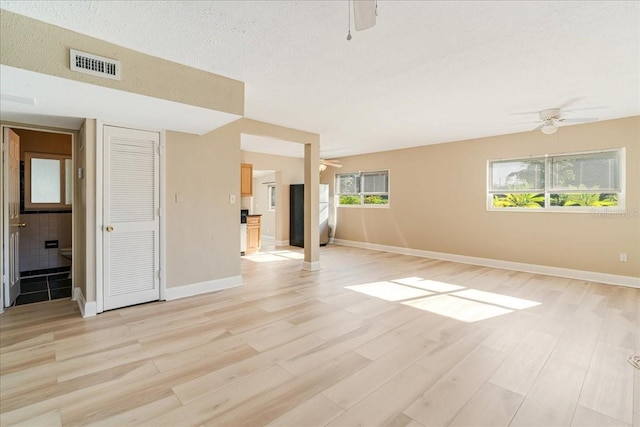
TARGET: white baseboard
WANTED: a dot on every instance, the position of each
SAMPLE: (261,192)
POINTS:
(282,243)
(87,309)
(591,276)
(311,266)
(203,287)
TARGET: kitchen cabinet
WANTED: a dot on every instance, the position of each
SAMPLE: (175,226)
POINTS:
(246,180)
(253,234)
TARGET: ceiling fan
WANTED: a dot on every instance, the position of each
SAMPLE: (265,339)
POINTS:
(551,118)
(326,163)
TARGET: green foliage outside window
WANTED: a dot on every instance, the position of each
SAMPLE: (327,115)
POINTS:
(518,200)
(349,200)
(376,200)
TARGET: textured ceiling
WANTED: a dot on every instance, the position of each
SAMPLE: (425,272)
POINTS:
(428,72)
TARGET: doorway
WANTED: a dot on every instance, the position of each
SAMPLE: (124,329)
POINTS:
(131,210)
(37,219)
(263,203)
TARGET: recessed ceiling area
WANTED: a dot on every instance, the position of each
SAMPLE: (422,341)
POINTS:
(261,144)
(34,98)
(427,72)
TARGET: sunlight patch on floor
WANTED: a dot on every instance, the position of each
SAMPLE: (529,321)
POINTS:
(289,254)
(458,308)
(430,285)
(389,291)
(445,299)
(497,299)
(274,256)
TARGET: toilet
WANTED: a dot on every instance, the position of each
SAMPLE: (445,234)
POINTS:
(66,253)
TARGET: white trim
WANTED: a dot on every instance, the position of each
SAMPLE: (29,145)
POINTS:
(4,220)
(87,309)
(100,212)
(311,265)
(362,194)
(547,190)
(282,243)
(163,223)
(99,156)
(591,276)
(203,287)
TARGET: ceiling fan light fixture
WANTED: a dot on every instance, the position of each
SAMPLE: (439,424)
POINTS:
(549,127)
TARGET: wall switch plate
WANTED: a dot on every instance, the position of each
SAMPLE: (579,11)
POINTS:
(623,257)
(80,173)
(232,199)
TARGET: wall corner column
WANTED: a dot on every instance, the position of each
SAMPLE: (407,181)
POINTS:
(311,206)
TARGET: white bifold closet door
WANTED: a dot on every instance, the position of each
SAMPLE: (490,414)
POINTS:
(131,221)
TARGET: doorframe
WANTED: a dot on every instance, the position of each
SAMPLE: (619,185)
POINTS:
(100,210)
(4,221)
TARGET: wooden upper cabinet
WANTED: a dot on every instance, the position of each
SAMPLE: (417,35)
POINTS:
(246,179)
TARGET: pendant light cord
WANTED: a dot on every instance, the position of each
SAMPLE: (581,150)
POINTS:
(349,9)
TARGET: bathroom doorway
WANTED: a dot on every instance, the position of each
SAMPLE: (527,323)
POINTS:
(37,216)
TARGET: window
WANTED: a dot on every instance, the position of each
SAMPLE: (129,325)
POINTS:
(271,196)
(559,182)
(47,181)
(363,188)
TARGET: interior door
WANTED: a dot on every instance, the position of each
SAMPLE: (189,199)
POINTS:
(131,241)
(12,240)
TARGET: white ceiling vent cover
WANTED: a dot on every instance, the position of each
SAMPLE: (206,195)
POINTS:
(94,65)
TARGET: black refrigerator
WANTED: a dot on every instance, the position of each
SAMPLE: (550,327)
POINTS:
(296,215)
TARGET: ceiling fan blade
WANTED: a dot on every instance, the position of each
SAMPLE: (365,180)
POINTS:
(569,102)
(526,123)
(573,110)
(579,120)
(525,113)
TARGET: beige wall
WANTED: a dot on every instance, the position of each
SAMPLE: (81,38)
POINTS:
(44,48)
(84,264)
(289,170)
(85,227)
(438,203)
(203,231)
(80,212)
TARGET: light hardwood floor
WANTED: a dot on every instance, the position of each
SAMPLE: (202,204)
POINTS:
(372,339)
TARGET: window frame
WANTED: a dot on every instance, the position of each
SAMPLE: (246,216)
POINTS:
(271,188)
(30,206)
(548,190)
(360,190)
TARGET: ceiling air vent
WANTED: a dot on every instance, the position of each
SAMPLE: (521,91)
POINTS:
(94,65)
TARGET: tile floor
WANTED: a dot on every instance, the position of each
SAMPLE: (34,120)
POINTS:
(44,288)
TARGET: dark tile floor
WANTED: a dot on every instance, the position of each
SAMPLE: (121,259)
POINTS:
(44,288)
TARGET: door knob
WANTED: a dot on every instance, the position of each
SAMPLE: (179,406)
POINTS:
(109,229)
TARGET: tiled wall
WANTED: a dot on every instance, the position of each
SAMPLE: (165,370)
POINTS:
(39,228)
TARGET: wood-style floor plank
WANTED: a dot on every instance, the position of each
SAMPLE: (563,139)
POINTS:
(431,342)
(386,402)
(491,406)
(608,386)
(440,403)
